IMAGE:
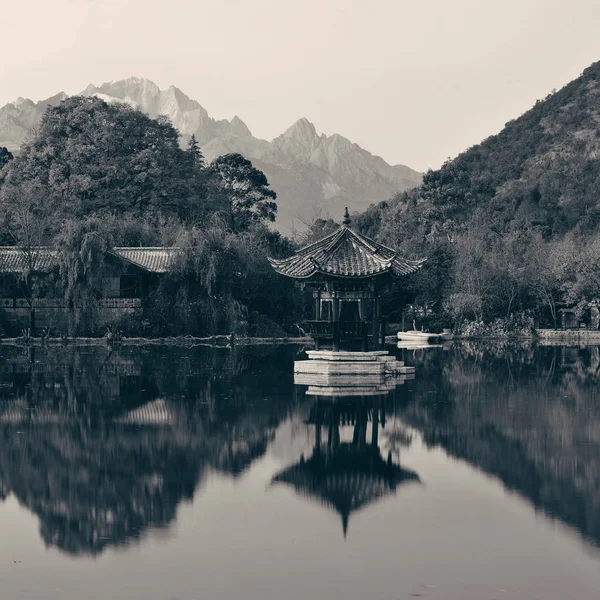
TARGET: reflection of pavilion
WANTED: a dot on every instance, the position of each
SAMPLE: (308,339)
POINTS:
(346,475)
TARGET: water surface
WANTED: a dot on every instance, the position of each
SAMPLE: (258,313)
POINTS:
(199,473)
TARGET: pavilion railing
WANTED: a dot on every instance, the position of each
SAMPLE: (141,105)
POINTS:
(342,330)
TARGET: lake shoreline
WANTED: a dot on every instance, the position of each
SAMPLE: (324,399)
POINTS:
(540,336)
(218,341)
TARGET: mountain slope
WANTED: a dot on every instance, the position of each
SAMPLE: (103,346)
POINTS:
(18,119)
(311,173)
(540,173)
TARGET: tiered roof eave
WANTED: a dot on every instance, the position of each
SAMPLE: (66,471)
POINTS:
(345,254)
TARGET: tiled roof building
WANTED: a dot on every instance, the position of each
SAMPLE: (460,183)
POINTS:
(149,259)
(348,271)
(15,260)
(131,274)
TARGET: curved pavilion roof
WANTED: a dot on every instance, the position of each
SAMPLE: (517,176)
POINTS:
(345,253)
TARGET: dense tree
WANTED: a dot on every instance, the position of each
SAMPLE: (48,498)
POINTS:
(90,156)
(5,156)
(245,189)
(27,223)
(519,214)
(317,230)
(221,282)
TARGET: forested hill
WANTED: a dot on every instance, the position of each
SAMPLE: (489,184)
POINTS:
(542,169)
(511,225)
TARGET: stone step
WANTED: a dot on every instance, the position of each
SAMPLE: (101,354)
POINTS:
(353,391)
(339,367)
(340,379)
(346,356)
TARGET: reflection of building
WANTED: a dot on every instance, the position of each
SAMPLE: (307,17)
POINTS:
(346,475)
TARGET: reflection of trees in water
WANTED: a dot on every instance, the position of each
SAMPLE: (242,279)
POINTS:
(531,419)
(98,488)
(104,445)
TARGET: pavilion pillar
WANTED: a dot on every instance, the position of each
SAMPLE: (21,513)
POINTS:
(375,323)
(317,296)
(318,305)
(336,323)
(336,309)
(362,319)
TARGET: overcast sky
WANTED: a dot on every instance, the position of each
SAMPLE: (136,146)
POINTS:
(414,81)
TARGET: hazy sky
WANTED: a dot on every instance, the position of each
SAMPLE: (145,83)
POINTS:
(414,81)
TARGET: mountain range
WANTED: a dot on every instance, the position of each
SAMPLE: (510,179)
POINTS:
(313,175)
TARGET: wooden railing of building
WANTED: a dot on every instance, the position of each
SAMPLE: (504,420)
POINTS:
(338,332)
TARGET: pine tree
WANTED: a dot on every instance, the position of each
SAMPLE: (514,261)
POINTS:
(5,156)
(194,149)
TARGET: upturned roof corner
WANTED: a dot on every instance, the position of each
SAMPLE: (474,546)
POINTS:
(347,254)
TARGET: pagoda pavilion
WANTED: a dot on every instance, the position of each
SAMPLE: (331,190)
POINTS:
(347,272)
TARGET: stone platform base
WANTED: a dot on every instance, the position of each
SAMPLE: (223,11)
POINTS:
(355,364)
(318,386)
(559,337)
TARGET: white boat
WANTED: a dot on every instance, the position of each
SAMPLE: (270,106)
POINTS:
(425,337)
(415,345)
(413,335)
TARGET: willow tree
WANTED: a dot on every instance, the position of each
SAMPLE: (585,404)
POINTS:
(82,247)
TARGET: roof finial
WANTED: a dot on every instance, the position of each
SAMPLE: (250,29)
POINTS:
(346,220)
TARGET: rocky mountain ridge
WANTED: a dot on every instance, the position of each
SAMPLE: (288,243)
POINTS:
(312,174)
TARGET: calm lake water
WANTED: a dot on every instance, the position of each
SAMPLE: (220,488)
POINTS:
(200,474)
